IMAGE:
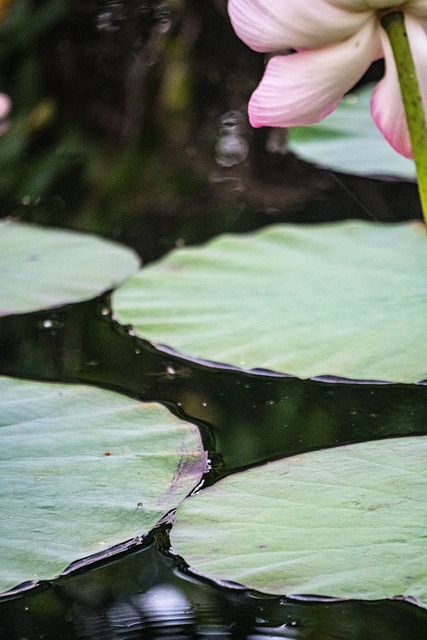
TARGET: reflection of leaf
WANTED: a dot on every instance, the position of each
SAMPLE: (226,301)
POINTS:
(346,522)
(42,268)
(82,469)
(346,299)
(348,141)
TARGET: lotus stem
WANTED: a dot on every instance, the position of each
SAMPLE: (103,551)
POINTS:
(394,24)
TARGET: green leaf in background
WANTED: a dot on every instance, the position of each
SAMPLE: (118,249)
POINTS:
(42,268)
(348,522)
(346,299)
(349,142)
(82,469)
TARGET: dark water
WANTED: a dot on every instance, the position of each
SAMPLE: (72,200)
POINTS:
(140,590)
(145,593)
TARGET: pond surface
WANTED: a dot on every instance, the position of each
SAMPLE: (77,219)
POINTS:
(123,151)
(140,589)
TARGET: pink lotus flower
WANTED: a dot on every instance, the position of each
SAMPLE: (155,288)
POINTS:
(334,43)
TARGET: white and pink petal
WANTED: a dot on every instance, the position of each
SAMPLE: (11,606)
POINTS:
(304,87)
(277,25)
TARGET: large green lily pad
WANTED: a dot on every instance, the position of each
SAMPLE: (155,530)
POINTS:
(42,268)
(348,522)
(345,299)
(349,142)
(82,469)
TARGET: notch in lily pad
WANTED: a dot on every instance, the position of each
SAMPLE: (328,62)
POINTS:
(82,470)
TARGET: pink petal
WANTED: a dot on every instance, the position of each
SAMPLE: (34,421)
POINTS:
(5,105)
(386,104)
(277,25)
(304,87)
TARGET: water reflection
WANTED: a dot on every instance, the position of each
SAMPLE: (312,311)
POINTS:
(160,612)
(231,147)
(162,17)
(110,17)
(145,593)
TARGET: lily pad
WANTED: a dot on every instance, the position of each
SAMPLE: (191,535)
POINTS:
(349,142)
(43,268)
(343,523)
(344,299)
(82,469)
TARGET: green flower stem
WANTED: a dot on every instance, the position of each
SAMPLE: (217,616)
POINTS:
(394,25)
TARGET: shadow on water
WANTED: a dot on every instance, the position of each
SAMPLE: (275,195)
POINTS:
(140,589)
